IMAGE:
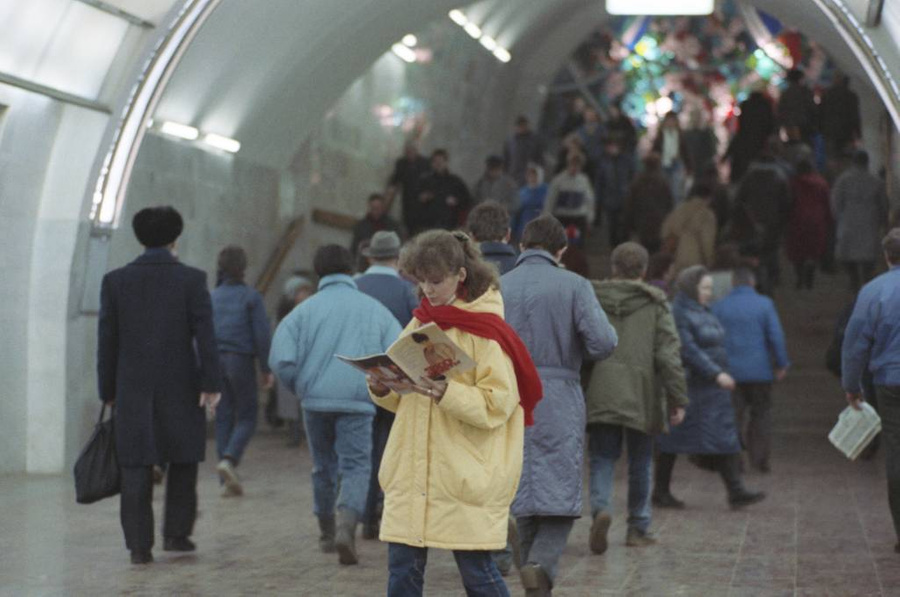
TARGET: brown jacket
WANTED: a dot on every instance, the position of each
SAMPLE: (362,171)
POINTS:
(690,230)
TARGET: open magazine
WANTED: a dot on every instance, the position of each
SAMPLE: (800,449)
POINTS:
(425,352)
(855,429)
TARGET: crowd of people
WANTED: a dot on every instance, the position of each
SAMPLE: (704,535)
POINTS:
(676,353)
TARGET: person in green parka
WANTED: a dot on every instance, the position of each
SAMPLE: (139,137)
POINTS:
(633,395)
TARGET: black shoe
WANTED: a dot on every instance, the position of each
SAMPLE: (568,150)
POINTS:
(178,544)
(141,557)
(745,498)
(667,500)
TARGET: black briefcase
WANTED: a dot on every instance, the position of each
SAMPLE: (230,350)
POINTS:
(97,467)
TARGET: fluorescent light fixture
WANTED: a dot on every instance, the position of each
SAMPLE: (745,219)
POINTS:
(502,54)
(223,143)
(458,17)
(660,7)
(410,40)
(182,131)
(489,43)
(404,53)
(473,30)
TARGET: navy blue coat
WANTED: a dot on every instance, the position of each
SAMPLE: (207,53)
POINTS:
(156,353)
(708,426)
(503,255)
(386,286)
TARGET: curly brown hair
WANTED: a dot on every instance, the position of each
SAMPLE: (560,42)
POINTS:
(437,254)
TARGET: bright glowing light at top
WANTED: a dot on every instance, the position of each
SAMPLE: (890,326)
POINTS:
(410,40)
(660,7)
(459,18)
(473,30)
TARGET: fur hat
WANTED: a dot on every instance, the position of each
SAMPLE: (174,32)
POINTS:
(157,226)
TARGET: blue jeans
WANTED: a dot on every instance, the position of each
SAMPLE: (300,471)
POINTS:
(406,568)
(604,448)
(238,410)
(341,448)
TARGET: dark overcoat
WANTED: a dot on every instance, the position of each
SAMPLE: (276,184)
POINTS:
(156,353)
(709,426)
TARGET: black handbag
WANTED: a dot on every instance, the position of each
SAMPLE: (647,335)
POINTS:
(97,467)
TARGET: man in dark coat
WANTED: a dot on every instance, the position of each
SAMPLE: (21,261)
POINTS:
(157,364)
(523,147)
(408,171)
(839,115)
(444,196)
(375,220)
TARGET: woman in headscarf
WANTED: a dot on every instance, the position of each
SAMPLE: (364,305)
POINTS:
(708,432)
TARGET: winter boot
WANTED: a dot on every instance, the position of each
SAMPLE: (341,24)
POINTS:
(326,539)
(662,497)
(738,495)
(535,581)
(345,536)
(599,530)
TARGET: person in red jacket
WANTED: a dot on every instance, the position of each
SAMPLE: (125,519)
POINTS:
(809,222)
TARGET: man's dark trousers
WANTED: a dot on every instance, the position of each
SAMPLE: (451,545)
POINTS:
(137,504)
(889,409)
(755,429)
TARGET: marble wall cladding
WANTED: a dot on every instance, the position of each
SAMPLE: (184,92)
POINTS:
(28,131)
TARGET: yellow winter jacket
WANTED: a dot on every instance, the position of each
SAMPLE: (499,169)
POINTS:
(450,470)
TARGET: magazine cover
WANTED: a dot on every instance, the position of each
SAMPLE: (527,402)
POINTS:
(426,352)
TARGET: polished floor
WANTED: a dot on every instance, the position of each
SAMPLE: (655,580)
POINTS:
(824,531)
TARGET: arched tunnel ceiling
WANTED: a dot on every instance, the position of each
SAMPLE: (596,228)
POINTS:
(265,76)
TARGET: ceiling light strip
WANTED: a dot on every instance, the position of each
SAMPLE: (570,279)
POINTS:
(112,179)
(475,32)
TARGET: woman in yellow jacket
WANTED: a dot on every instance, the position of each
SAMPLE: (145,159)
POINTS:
(452,463)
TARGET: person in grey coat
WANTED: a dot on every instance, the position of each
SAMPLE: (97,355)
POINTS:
(559,318)
(860,207)
(157,365)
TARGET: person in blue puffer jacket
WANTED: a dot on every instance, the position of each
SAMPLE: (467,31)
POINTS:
(337,411)
(754,340)
(708,432)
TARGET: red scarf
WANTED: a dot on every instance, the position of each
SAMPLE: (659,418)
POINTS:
(492,327)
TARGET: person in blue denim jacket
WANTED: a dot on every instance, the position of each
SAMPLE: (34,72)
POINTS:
(242,336)
(872,341)
(754,340)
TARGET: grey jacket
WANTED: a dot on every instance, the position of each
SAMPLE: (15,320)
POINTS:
(860,206)
(559,318)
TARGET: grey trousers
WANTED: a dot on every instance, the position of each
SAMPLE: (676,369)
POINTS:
(753,416)
(543,540)
(889,409)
